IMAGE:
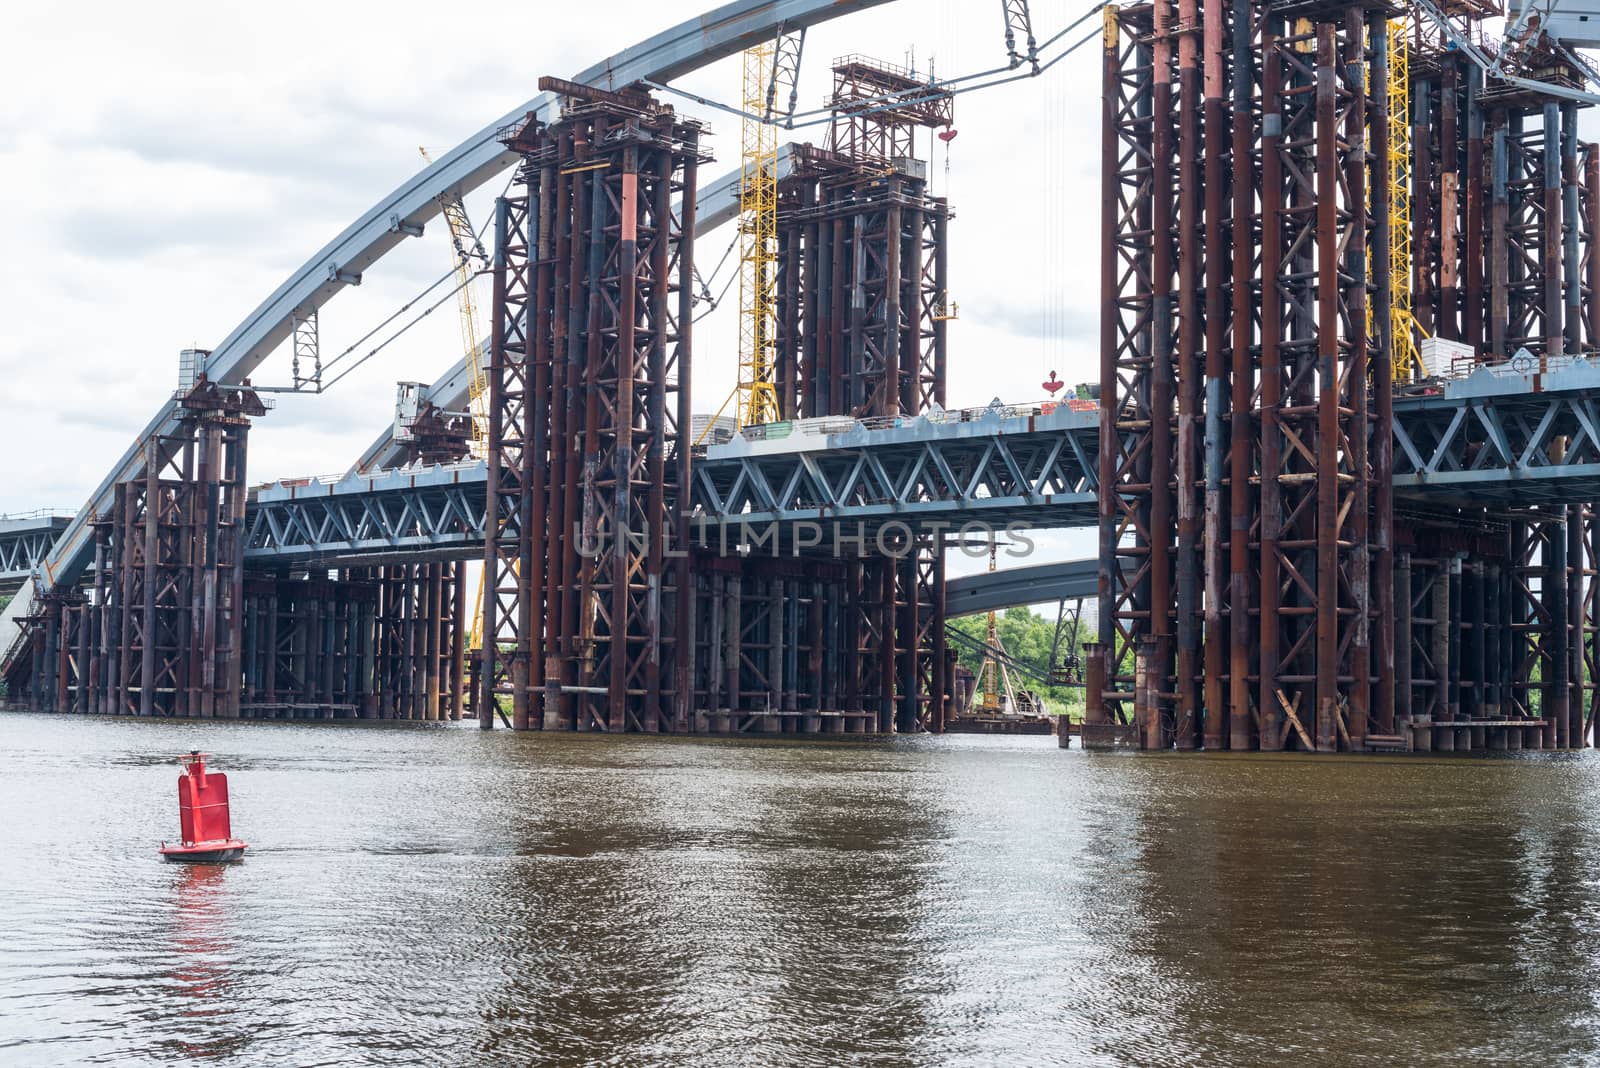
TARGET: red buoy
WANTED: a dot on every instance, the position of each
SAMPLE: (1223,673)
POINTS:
(1052,384)
(203,816)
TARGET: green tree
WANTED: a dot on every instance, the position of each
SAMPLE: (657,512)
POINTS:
(1027,637)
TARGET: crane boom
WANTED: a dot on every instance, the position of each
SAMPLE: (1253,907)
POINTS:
(468,257)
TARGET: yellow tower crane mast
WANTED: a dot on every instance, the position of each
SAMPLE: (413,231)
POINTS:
(468,257)
(768,67)
(758,247)
(1404,360)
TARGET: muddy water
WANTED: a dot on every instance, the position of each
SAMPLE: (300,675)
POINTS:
(437,896)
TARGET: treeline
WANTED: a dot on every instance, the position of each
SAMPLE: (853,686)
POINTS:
(1027,637)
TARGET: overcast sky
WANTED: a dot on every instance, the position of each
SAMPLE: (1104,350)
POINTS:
(165,167)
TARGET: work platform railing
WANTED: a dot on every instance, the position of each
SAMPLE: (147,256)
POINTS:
(1503,435)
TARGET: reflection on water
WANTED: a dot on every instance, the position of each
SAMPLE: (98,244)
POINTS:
(202,948)
(436,896)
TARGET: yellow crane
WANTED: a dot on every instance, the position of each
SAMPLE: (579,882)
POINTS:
(1403,328)
(992,672)
(757,394)
(467,256)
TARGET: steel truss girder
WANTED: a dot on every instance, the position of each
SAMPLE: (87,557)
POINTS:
(1535,448)
(24,544)
(1048,477)
(366,521)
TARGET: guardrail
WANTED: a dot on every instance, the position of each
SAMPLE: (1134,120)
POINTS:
(843,424)
(1462,368)
(337,477)
(38,513)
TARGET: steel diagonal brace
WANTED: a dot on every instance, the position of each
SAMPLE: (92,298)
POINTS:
(762,488)
(1441,449)
(427,525)
(1583,412)
(1088,475)
(1537,441)
(299,524)
(887,491)
(818,479)
(1489,416)
(936,457)
(979,471)
(787,51)
(1042,486)
(1019,480)
(858,470)
(708,488)
(735,500)
(913,480)
(789,498)
(371,518)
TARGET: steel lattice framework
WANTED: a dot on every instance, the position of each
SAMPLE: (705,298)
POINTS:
(592,291)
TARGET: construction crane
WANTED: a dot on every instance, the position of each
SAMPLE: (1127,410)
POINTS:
(1403,329)
(767,66)
(993,672)
(468,257)
(758,253)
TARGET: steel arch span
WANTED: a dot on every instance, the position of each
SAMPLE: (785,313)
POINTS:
(688,46)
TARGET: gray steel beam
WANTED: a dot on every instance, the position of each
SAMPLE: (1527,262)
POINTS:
(1012,586)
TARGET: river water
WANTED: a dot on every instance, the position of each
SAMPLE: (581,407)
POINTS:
(436,896)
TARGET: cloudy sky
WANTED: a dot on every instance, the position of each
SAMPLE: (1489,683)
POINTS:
(165,167)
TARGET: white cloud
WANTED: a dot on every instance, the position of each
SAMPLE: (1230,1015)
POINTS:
(164,168)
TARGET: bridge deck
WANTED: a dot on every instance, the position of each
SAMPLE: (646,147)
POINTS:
(1499,436)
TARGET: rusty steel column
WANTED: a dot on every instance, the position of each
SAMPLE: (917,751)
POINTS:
(1497,252)
(1557,683)
(1326,655)
(1571,261)
(1473,261)
(1217,145)
(1097,702)
(1550,236)
(1362,72)
(1574,624)
(1135,484)
(1447,191)
(1382,532)
(506,529)
(1242,628)
(1589,221)
(1160,491)
(1273,726)
(1187,364)
(679,376)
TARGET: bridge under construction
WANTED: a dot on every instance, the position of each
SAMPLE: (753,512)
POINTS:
(1343,457)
